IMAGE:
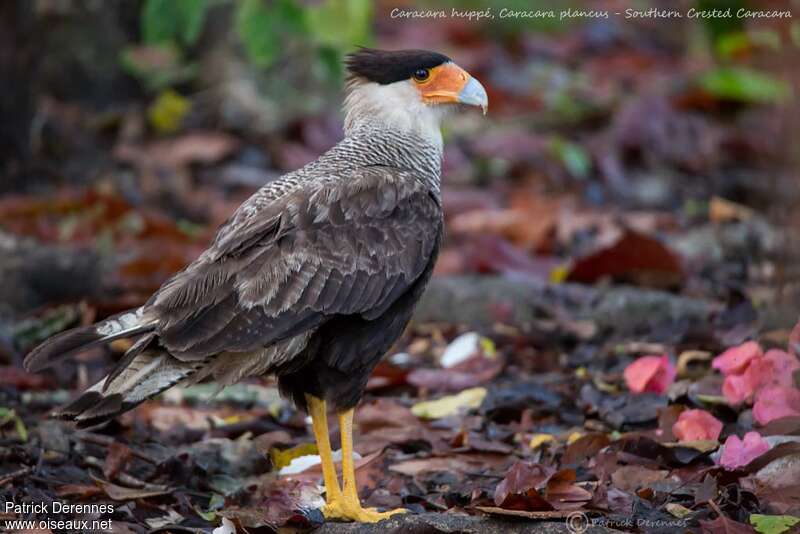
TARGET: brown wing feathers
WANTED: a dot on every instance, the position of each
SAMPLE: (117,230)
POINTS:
(294,279)
(319,252)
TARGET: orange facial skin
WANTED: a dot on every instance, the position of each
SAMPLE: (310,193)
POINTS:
(444,84)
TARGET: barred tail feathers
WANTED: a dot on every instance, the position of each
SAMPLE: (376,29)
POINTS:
(68,343)
(146,375)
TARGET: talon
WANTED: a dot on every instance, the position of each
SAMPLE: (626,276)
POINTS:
(343,511)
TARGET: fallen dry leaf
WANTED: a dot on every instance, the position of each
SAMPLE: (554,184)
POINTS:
(633,257)
(776,402)
(563,494)
(449,405)
(694,425)
(650,373)
(735,359)
(519,489)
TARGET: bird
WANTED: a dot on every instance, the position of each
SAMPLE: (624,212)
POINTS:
(312,279)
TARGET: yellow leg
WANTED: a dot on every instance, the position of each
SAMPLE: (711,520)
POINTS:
(319,423)
(349,507)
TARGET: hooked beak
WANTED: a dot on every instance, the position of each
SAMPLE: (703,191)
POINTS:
(473,94)
(449,83)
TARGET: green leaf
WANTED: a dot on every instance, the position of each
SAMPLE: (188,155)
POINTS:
(173,20)
(773,524)
(746,85)
(193,17)
(330,62)
(730,44)
(341,24)
(255,25)
(573,156)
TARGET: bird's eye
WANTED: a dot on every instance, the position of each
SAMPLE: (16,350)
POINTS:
(421,74)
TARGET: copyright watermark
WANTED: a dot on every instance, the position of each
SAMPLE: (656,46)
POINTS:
(579,522)
(42,511)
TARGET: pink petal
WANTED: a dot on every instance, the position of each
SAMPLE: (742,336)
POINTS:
(735,359)
(783,367)
(650,373)
(693,425)
(737,389)
(738,453)
(776,402)
(775,368)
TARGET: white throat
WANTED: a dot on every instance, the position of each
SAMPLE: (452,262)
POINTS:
(396,106)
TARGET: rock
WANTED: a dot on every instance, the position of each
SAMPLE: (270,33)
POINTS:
(485,300)
(433,523)
(34,274)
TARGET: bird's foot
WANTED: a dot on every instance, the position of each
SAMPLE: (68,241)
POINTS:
(345,510)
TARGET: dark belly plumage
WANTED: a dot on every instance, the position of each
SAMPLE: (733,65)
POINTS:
(343,352)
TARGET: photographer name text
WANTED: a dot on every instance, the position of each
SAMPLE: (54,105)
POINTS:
(55,508)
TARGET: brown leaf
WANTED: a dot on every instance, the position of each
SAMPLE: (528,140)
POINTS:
(633,477)
(268,440)
(529,223)
(456,463)
(121,493)
(79,491)
(584,447)
(281,502)
(470,373)
(724,525)
(493,254)
(562,493)
(117,458)
(666,418)
(196,147)
(381,413)
(706,491)
(518,490)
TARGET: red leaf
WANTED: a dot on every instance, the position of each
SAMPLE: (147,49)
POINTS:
(693,425)
(634,256)
(19,379)
(650,373)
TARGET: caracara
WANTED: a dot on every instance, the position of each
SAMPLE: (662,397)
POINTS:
(313,278)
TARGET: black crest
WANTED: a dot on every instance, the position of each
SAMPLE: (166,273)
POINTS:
(389,66)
